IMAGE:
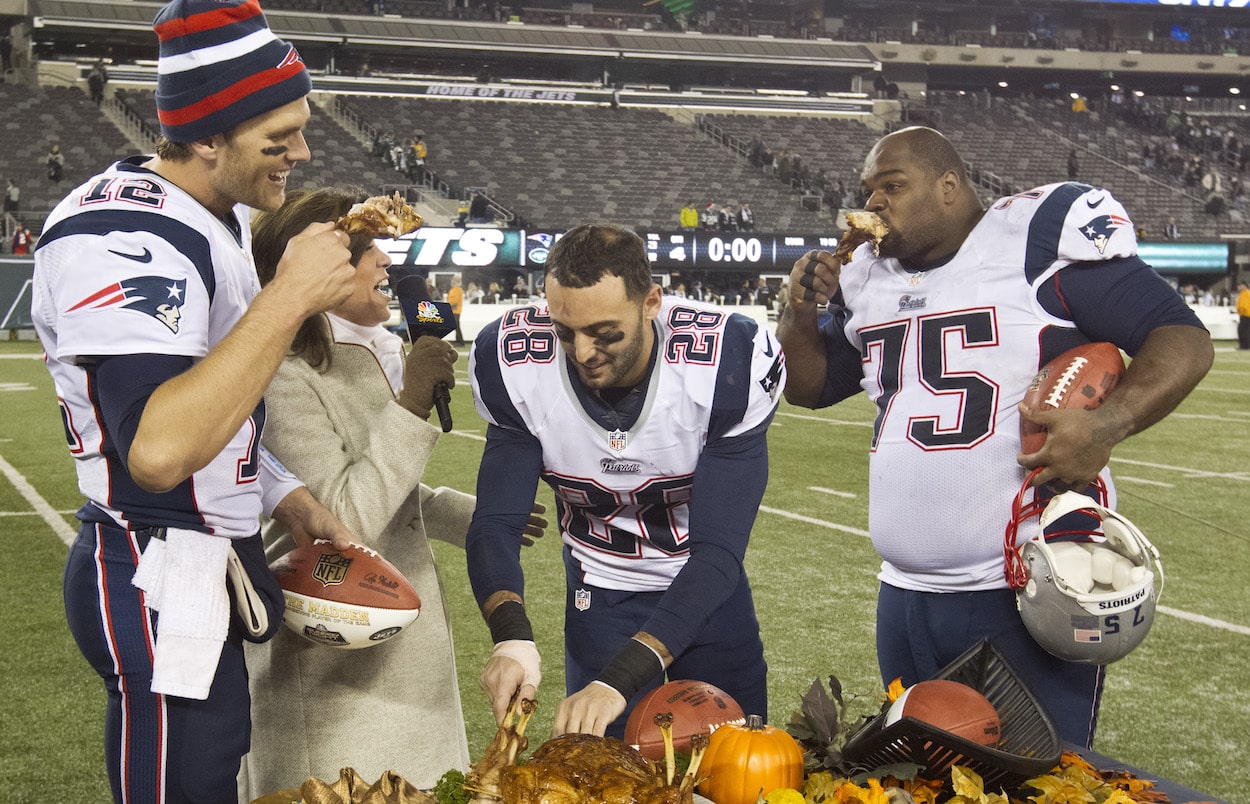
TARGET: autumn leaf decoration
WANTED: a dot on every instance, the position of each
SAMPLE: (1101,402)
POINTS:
(823,725)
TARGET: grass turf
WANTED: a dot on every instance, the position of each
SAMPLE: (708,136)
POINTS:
(1179,706)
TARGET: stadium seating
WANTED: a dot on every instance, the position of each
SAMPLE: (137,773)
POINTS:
(34,119)
(558,166)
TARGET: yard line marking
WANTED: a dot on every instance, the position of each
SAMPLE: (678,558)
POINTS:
(30,513)
(1185,470)
(1204,620)
(1223,390)
(1226,371)
(813,521)
(16,386)
(1236,419)
(1184,615)
(834,492)
(1237,413)
(45,511)
(22,357)
(1122,478)
(823,419)
(468,434)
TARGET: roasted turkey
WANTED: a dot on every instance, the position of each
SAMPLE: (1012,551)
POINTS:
(578,768)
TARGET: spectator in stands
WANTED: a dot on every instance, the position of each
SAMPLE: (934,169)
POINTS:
(746,293)
(768,160)
(6,51)
(689,217)
(1079,104)
(1171,231)
(746,218)
(520,288)
(416,164)
(726,221)
(462,212)
(96,79)
(12,197)
(55,162)
(21,240)
(479,208)
(763,294)
(1074,165)
(785,167)
(709,217)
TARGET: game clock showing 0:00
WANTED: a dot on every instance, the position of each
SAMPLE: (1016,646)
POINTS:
(712,249)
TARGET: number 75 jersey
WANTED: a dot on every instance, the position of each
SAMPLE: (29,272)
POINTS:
(623,492)
(947,356)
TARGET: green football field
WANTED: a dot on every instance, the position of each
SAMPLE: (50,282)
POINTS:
(1179,706)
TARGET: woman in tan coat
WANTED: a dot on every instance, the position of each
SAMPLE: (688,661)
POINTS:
(348,414)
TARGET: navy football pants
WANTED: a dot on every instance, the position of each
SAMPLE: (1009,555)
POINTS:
(727,653)
(158,748)
(919,633)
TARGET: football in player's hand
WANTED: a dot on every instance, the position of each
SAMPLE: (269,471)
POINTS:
(345,599)
(697,708)
(950,706)
(1079,378)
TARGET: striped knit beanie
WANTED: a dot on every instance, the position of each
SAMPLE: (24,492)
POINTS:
(219,66)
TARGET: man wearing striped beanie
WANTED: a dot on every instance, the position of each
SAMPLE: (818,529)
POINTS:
(161,344)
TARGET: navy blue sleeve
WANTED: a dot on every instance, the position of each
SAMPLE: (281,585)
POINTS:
(507,481)
(1120,301)
(123,385)
(843,364)
(729,482)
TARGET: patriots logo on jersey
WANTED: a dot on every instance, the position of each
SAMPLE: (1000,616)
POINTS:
(157,296)
(1099,230)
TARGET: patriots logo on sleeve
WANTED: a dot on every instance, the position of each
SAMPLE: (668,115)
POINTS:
(157,296)
(1099,230)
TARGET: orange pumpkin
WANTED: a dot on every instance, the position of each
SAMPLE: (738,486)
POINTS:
(746,761)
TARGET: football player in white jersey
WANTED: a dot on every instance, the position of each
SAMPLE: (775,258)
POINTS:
(944,330)
(161,344)
(647,416)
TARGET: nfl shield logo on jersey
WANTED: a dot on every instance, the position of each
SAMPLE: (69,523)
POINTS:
(581,599)
(617,440)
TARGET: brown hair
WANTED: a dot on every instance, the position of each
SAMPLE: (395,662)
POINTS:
(270,233)
(587,253)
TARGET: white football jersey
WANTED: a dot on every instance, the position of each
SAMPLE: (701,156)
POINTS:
(949,353)
(129,263)
(623,495)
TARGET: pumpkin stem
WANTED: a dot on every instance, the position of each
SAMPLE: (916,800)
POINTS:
(755,723)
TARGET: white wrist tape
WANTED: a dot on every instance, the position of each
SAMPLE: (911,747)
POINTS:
(525,653)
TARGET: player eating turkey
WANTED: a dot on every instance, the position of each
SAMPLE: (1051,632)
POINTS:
(647,415)
(944,327)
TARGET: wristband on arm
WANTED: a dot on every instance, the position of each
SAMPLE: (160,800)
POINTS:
(633,667)
(509,621)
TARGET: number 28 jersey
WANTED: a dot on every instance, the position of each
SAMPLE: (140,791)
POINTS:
(623,493)
(131,264)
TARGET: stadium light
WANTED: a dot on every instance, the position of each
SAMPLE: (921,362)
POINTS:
(1115,87)
(1234,91)
(1074,95)
(1002,84)
(1137,93)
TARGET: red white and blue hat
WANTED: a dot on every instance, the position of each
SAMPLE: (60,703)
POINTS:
(219,66)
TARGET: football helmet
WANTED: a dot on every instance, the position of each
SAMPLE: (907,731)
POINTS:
(1067,612)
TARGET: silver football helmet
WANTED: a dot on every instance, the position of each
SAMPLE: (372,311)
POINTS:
(1070,614)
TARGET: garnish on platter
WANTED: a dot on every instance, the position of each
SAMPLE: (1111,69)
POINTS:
(380,216)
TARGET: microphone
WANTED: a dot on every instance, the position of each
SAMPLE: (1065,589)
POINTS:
(424,316)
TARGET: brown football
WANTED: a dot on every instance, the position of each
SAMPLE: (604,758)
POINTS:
(697,708)
(1078,378)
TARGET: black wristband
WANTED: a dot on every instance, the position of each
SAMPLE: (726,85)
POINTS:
(631,669)
(509,621)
